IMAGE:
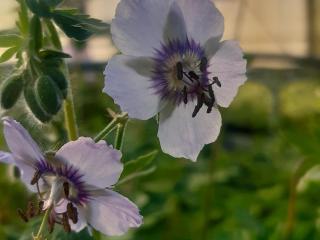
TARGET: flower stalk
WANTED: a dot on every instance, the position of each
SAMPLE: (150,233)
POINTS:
(43,223)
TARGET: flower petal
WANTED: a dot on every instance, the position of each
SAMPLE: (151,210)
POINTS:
(229,66)
(113,214)
(128,83)
(22,146)
(138,26)
(183,136)
(99,163)
(6,158)
(203,20)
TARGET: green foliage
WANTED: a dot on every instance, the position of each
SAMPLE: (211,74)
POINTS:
(36,37)
(10,40)
(11,90)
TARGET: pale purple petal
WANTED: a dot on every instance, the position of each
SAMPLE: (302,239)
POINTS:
(113,214)
(128,83)
(183,136)
(138,26)
(229,66)
(99,163)
(20,143)
(6,158)
(203,20)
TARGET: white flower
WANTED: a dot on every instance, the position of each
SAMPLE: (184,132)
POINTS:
(174,64)
(75,183)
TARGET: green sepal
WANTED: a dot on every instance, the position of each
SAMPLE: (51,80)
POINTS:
(58,77)
(34,105)
(11,91)
(48,94)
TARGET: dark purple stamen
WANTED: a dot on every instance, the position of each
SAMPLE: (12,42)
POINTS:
(203,64)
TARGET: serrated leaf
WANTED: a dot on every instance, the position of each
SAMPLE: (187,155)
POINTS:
(49,54)
(138,164)
(8,54)
(10,40)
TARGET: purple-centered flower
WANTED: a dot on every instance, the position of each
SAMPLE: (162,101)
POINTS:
(174,64)
(74,183)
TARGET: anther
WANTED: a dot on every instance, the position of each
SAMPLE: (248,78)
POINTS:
(72,213)
(216,81)
(193,75)
(203,64)
(199,105)
(31,210)
(23,215)
(185,95)
(65,222)
(36,177)
(179,70)
(66,189)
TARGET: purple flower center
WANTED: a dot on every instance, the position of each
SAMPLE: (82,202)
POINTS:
(181,74)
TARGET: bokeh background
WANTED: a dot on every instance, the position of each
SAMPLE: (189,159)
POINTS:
(260,180)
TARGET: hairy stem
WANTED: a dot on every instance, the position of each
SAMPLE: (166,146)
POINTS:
(68,105)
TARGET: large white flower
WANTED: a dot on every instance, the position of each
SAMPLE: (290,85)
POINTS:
(174,64)
(75,183)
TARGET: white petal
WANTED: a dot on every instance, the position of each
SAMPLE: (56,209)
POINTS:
(138,26)
(229,66)
(128,83)
(203,20)
(99,163)
(113,214)
(181,135)
(6,158)
(20,143)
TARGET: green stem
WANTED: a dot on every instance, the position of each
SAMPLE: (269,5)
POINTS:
(121,128)
(68,108)
(104,133)
(43,223)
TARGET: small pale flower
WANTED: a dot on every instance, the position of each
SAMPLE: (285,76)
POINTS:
(174,65)
(74,184)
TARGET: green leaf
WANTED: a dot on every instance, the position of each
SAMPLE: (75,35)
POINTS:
(54,37)
(11,91)
(48,95)
(71,27)
(10,40)
(8,54)
(39,7)
(138,164)
(53,3)
(50,54)
(78,26)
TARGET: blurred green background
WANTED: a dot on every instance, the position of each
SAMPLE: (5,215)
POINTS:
(260,180)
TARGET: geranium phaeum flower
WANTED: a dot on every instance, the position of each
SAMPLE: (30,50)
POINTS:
(75,183)
(174,64)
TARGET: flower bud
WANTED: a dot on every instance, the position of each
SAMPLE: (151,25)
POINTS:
(48,94)
(60,80)
(34,105)
(11,91)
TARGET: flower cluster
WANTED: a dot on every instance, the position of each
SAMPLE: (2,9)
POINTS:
(173,66)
